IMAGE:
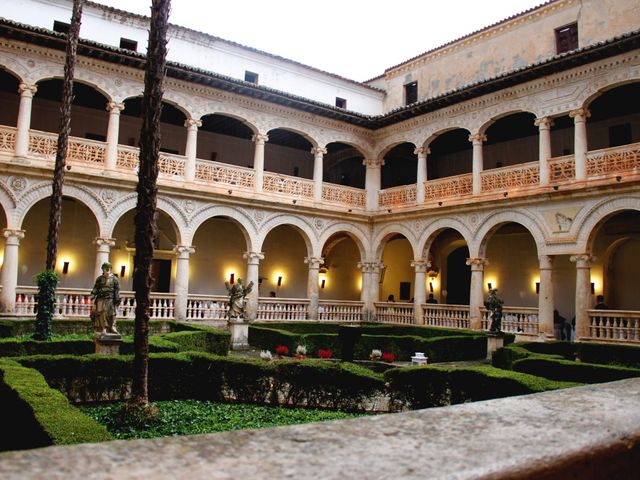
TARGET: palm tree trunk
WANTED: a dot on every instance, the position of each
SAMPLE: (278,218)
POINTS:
(48,281)
(145,225)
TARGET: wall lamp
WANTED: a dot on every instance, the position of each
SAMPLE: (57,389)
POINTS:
(593,288)
(65,268)
(123,269)
(232,278)
(322,283)
(489,286)
(538,288)
(280,281)
(431,287)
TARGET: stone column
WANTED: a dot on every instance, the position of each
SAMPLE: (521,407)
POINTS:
(251,301)
(182,281)
(580,147)
(422,153)
(312,285)
(258,160)
(103,248)
(113,132)
(545,297)
(476,295)
(544,125)
(9,274)
(24,119)
(370,287)
(478,162)
(318,154)
(583,292)
(372,182)
(191,148)
(420,289)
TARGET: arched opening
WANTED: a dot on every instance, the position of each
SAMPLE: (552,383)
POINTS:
(342,165)
(288,153)
(78,229)
(449,277)
(614,273)
(511,140)
(340,278)
(615,117)
(219,245)
(513,265)
(450,154)
(225,139)
(400,166)
(89,117)
(173,132)
(397,277)
(9,98)
(163,265)
(458,277)
(283,270)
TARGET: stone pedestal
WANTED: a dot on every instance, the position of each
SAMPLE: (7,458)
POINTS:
(495,340)
(239,334)
(108,343)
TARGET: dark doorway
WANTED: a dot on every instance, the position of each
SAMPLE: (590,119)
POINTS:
(161,275)
(458,277)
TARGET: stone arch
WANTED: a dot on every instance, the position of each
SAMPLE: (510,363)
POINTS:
(434,229)
(482,129)
(440,132)
(308,235)
(293,128)
(594,89)
(381,238)
(220,110)
(596,215)
(356,235)
(381,151)
(241,219)
(79,78)
(479,245)
(15,66)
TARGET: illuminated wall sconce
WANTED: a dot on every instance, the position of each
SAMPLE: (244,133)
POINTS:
(489,286)
(538,288)
(232,278)
(279,280)
(322,283)
(65,268)
(431,287)
(593,288)
(123,270)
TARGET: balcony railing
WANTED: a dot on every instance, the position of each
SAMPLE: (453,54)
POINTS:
(7,139)
(282,309)
(617,326)
(562,169)
(449,187)
(512,177)
(518,320)
(391,312)
(223,174)
(340,311)
(287,185)
(354,197)
(446,316)
(625,158)
(397,196)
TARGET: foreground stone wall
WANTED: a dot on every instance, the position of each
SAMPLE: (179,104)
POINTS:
(589,432)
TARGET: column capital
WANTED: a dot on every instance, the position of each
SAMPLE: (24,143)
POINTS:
(582,260)
(544,123)
(253,258)
(422,151)
(421,266)
(100,241)
(318,151)
(26,89)
(580,114)
(314,262)
(477,263)
(373,163)
(546,262)
(115,107)
(477,138)
(260,138)
(192,123)
(183,251)
(370,267)
(13,234)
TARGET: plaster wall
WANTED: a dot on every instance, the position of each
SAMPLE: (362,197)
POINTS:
(284,253)
(343,278)
(397,257)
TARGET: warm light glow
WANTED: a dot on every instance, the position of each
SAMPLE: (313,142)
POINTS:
(69,265)
(490,281)
(278,278)
(322,280)
(123,270)
(359,284)
(229,272)
(433,282)
(596,283)
(535,284)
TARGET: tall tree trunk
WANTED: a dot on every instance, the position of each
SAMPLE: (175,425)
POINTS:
(145,223)
(47,280)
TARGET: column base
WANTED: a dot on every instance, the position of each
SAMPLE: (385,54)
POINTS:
(239,334)
(108,343)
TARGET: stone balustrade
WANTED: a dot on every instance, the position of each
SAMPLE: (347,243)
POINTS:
(287,185)
(446,316)
(282,309)
(397,196)
(392,312)
(340,311)
(513,177)
(616,326)
(518,320)
(450,187)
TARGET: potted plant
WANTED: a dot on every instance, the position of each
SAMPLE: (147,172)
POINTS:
(376,354)
(282,350)
(301,352)
(325,353)
(388,357)
(266,355)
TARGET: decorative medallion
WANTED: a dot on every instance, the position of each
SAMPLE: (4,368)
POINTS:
(108,196)
(319,223)
(31,63)
(258,215)
(118,82)
(473,219)
(18,184)
(189,206)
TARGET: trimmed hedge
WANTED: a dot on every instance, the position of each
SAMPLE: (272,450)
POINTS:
(423,387)
(565,370)
(43,414)
(15,328)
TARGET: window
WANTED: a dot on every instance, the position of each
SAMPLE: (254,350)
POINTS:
(250,77)
(341,102)
(410,93)
(128,44)
(567,38)
(60,27)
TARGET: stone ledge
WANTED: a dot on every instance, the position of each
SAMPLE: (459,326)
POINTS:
(588,432)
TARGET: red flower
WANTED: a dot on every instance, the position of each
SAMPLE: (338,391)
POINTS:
(325,353)
(388,357)
(282,350)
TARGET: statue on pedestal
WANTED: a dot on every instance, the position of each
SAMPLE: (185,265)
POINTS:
(494,306)
(237,292)
(106,297)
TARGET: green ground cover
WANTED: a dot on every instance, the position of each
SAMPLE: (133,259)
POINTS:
(191,417)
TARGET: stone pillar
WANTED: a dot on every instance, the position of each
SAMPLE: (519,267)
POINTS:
(544,125)
(113,132)
(182,281)
(420,289)
(580,147)
(24,119)
(191,148)
(258,160)
(477,162)
(312,285)
(318,154)
(583,293)
(251,300)
(545,297)
(476,295)
(421,177)
(103,248)
(9,274)
(370,287)
(372,182)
